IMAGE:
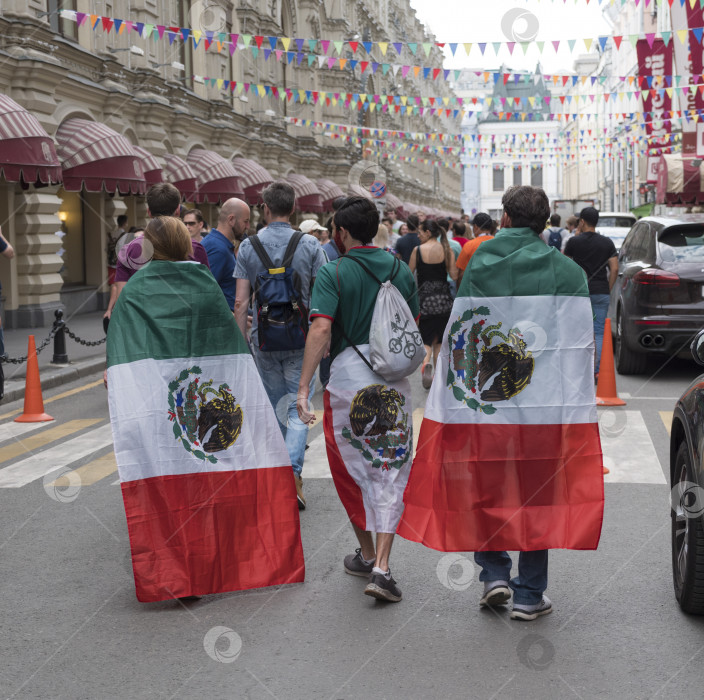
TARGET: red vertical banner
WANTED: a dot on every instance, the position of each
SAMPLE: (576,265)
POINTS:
(654,63)
(688,65)
(695,20)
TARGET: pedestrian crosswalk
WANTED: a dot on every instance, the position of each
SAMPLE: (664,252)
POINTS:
(41,463)
(78,451)
(629,452)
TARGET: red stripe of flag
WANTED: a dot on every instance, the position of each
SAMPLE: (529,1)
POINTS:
(500,487)
(212,532)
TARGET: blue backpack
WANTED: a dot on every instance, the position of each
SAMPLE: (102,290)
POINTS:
(555,239)
(281,315)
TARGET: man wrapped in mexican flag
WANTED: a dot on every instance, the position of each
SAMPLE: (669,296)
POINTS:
(509,456)
(206,478)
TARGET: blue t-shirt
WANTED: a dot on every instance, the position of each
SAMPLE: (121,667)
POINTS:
(221,259)
(307,260)
(331,251)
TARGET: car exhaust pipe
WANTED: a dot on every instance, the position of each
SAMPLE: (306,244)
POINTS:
(658,341)
(647,340)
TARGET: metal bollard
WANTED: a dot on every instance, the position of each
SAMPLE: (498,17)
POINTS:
(60,356)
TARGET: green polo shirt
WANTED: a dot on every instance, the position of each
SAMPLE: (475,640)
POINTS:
(346,294)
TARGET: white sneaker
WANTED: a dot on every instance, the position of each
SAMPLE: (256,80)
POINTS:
(530,612)
(495,593)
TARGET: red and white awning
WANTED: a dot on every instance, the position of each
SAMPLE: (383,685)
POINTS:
(153,173)
(393,202)
(308,196)
(181,176)
(95,157)
(680,180)
(27,152)
(410,208)
(217,178)
(359,191)
(253,177)
(330,192)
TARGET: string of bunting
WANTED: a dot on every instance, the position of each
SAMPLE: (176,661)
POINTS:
(539,138)
(450,105)
(417,105)
(329,47)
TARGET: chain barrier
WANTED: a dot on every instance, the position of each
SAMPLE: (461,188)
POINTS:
(80,341)
(57,332)
(40,347)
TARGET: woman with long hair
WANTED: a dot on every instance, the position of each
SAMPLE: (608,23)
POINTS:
(196,439)
(433,260)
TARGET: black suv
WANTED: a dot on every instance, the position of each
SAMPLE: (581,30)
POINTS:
(657,303)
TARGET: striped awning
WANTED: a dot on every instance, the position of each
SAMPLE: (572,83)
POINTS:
(254,179)
(393,202)
(95,157)
(308,196)
(152,169)
(27,152)
(410,208)
(330,192)
(217,178)
(359,191)
(181,176)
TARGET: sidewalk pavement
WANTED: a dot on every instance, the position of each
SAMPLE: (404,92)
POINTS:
(83,360)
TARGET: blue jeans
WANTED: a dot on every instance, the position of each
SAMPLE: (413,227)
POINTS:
(532,580)
(280,372)
(600,307)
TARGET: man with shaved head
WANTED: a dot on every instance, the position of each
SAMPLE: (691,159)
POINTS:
(219,244)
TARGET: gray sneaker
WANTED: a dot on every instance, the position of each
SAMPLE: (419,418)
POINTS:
(354,564)
(530,612)
(495,593)
(383,588)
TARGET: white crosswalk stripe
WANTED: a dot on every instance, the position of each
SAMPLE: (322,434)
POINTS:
(42,463)
(629,453)
(12,430)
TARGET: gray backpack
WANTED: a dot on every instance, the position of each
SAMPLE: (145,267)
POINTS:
(395,346)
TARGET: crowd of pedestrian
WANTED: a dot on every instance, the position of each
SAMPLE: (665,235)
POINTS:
(305,297)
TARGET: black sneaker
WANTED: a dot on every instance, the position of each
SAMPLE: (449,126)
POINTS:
(354,564)
(383,588)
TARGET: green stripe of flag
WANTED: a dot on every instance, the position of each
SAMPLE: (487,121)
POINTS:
(518,263)
(155,316)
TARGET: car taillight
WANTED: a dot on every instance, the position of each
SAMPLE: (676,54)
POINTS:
(658,278)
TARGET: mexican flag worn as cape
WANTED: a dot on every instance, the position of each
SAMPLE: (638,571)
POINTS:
(206,479)
(509,456)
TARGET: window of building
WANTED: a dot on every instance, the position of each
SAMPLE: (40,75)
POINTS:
(498,178)
(59,24)
(185,47)
(536,175)
(517,174)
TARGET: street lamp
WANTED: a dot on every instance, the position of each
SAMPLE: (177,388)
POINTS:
(174,64)
(136,50)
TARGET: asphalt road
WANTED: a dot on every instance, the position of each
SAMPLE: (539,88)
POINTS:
(72,627)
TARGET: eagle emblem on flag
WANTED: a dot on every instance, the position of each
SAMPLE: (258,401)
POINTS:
(203,425)
(379,427)
(481,352)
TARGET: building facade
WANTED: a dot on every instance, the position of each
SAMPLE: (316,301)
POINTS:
(516,138)
(97,90)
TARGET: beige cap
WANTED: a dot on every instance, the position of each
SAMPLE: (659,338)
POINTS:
(310,225)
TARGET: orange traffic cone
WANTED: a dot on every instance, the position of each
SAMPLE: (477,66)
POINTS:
(606,388)
(33,403)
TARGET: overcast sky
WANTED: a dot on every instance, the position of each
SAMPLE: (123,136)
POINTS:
(491,20)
